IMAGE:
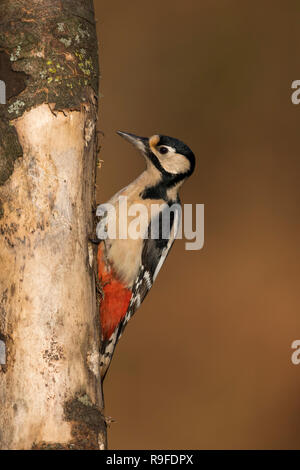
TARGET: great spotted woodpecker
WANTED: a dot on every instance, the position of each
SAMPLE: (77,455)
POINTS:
(127,267)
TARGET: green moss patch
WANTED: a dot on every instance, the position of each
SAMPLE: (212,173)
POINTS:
(53,54)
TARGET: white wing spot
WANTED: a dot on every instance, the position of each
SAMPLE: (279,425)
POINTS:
(148,279)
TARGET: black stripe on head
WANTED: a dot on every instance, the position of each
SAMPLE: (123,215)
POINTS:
(168,180)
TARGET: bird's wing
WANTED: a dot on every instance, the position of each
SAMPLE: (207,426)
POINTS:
(154,253)
(153,256)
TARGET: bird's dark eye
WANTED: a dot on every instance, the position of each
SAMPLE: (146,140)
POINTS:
(163,150)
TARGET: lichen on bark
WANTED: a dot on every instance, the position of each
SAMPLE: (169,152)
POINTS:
(52,50)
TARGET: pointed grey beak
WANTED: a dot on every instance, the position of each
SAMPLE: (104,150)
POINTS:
(139,142)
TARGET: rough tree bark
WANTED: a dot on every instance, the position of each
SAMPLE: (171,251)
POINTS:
(50,390)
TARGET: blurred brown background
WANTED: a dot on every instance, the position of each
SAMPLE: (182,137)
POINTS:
(206,362)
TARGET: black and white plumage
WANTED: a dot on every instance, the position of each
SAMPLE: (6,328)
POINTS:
(128,267)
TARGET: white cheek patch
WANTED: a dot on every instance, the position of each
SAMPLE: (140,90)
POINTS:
(174,162)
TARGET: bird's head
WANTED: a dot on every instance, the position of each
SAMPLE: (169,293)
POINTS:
(173,159)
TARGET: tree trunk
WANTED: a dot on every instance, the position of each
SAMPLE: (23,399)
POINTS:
(50,388)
